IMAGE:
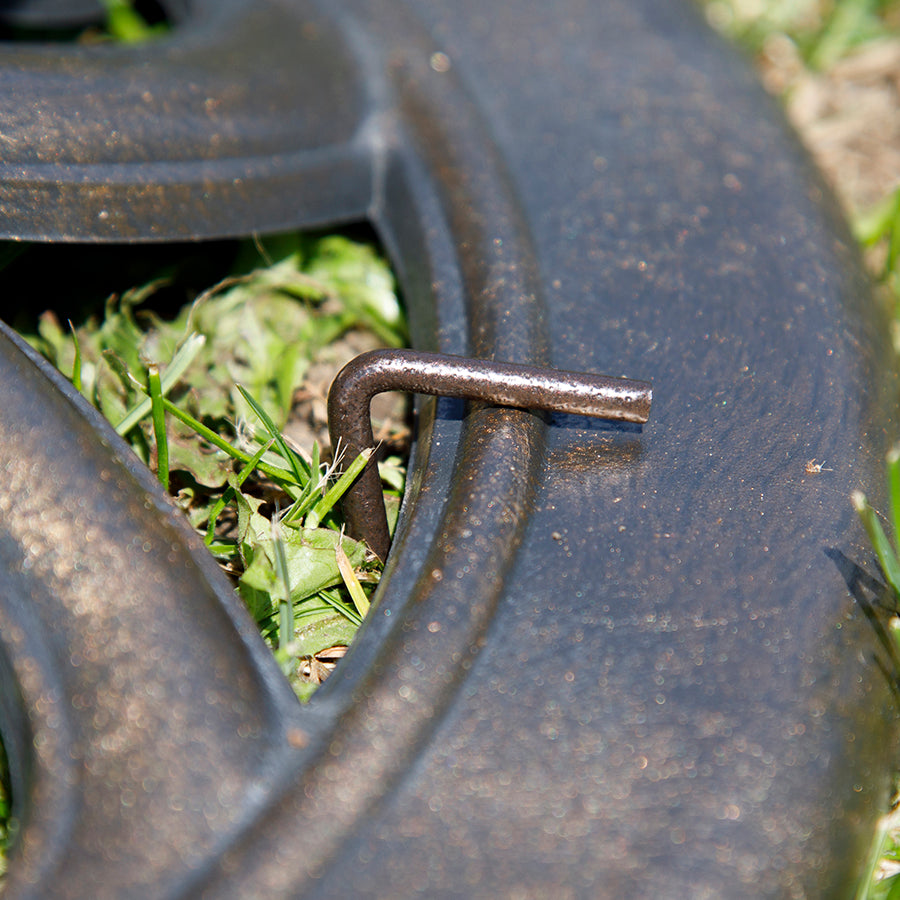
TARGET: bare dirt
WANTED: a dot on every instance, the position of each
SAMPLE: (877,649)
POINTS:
(309,417)
(848,117)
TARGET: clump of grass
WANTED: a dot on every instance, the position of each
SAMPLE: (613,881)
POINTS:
(885,548)
(823,31)
(882,879)
(792,40)
(8,824)
(886,857)
(204,397)
(881,226)
(125,25)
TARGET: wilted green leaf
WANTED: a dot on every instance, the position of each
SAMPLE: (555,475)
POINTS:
(324,628)
(310,557)
(364,283)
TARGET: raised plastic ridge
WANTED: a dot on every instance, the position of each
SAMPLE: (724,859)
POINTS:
(606,660)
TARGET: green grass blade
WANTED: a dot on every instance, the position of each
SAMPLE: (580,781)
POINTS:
(284,477)
(346,611)
(338,489)
(288,455)
(883,549)
(892,469)
(357,595)
(76,366)
(186,354)
(308,496)
(893,252)
(893,888)
(876,223)
(865,890)
(226,498)
(221,548)
(847,24)
(302,504)
(285,610)
(125,24)
(158,413)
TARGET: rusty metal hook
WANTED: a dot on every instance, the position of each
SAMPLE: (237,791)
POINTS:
(503,384)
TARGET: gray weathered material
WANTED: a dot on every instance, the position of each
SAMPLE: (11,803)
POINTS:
(606,661)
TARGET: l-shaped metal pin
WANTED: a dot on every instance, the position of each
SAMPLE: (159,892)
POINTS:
(503,384)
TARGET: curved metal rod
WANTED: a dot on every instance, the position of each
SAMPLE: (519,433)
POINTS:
(502,384)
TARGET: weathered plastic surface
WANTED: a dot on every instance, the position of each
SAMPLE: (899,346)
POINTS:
(50,13)
(606,661)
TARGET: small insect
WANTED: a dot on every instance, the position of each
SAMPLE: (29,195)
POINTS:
(319,666)
(813,468)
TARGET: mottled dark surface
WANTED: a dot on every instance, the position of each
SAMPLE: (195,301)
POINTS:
(606,661)
(229,126)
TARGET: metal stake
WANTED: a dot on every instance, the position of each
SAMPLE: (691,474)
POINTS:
(503,384)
